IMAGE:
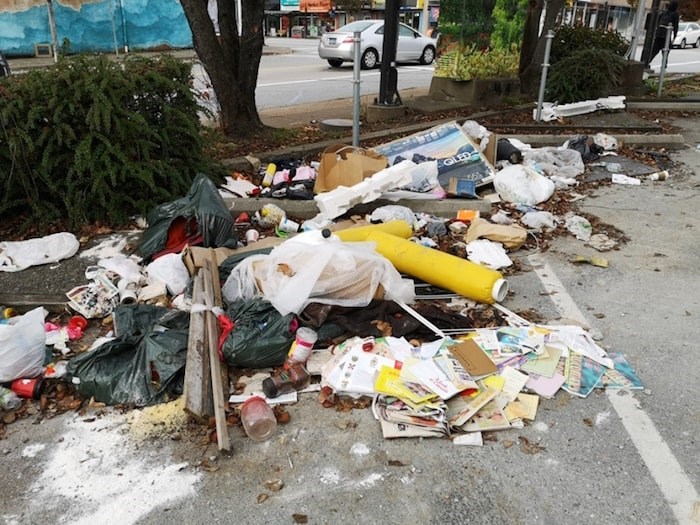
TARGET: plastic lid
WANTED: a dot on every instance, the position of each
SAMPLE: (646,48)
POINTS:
(253,399)
(269,387)
(325,233)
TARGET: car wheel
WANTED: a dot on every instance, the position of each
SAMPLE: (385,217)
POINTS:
(335,62)
(428,55)
(683,44)
(697,43)
(369,60)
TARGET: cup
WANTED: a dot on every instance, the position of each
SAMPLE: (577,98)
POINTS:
(288,226)
(258,419)
(252,236)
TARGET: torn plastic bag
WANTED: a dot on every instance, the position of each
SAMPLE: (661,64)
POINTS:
(555,161)
(22,345)
(261,337)
(200,217)
(585,145)
(330,272)
(143,366)
(522,185)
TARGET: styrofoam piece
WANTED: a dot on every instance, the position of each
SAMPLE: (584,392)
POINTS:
(552,111)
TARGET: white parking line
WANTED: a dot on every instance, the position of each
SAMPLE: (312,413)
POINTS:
(668,474)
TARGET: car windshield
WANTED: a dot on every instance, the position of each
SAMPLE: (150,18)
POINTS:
(358,26)
(682,27)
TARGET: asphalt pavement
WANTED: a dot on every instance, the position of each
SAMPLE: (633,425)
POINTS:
(628,457)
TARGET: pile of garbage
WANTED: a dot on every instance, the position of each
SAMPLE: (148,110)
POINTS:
(332,306)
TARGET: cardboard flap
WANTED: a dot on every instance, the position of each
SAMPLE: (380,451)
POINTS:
(343,165)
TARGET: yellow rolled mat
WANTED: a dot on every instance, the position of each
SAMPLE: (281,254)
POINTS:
(396,228)
(460,276)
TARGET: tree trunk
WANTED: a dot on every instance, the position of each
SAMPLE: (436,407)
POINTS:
(532,51)
(232,62)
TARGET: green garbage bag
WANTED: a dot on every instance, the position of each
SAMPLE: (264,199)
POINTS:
(261,337)
(144,365)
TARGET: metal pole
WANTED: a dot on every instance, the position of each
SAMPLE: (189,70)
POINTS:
(356,66)
(114,28)
(126,40)
(543,78)
(664,59)
(52,27)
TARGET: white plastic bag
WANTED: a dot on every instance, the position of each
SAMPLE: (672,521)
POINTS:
(171,270)
(555,161)
(539,220)
(295,274)
(18,255)
(22,346)
(488,253)
(522,185)
(579,226)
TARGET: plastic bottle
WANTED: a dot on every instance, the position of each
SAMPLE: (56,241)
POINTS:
(8,399)
(269,174)
(302,346)
(258,419)
(295,377)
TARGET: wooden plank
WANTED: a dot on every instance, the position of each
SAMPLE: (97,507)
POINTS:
(198,393)
(219,301)
(212,331)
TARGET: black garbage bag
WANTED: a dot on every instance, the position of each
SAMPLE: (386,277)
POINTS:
(589,150)
(143,366)
(199,218)
(261,337)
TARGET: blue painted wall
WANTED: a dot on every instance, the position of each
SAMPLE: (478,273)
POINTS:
(142,24)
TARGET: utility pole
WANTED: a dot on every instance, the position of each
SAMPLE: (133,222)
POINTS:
(52,27)
(388,79)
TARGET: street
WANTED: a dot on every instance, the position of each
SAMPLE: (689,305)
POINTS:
(614,457)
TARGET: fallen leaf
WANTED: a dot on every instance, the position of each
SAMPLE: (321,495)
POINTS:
(346,424)
(529,448)
(274,485)
(283,417)
(300,518)
(507,443)
(262,497)
(9,418)
(285,270)
(396,463)
(587,421)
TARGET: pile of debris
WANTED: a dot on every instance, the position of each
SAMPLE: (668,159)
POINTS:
(399,306)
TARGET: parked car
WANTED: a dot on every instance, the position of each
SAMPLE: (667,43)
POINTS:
(4,66)
(337,46)
(688,35)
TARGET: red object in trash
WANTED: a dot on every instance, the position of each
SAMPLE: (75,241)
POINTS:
(29,388)
(78,321)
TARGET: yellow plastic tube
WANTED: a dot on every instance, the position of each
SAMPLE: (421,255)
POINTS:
(396,228)
(460,276)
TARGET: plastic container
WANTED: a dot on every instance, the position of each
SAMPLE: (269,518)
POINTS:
(8,399)
(295,377)
(269,175)
(28,388)
(302,346)
(258,419)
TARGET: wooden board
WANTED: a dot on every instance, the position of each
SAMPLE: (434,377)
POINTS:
(198,394)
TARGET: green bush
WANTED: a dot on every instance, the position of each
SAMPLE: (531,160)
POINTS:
(509,23)
(467,63)
(92,140)
(586,74)
(571,39)
(585,64)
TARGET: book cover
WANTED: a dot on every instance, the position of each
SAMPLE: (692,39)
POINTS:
(462,407)
(622,376)
(490,417)
(582,374)
(389,382)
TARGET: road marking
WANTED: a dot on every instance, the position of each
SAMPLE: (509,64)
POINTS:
(675,485)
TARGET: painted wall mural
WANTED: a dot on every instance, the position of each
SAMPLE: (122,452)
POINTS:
(93,25)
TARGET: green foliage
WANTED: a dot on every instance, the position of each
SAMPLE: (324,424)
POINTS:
(509,23)
(571,39)
(469,62)
(466,21)
(586,74)
(585,63)
(94,140)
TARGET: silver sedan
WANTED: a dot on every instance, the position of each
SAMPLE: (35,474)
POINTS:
(337,47)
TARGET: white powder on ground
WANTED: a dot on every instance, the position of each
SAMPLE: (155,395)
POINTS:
(106,477)
(359,449)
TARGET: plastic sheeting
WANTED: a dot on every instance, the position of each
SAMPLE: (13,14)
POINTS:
(328,272)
